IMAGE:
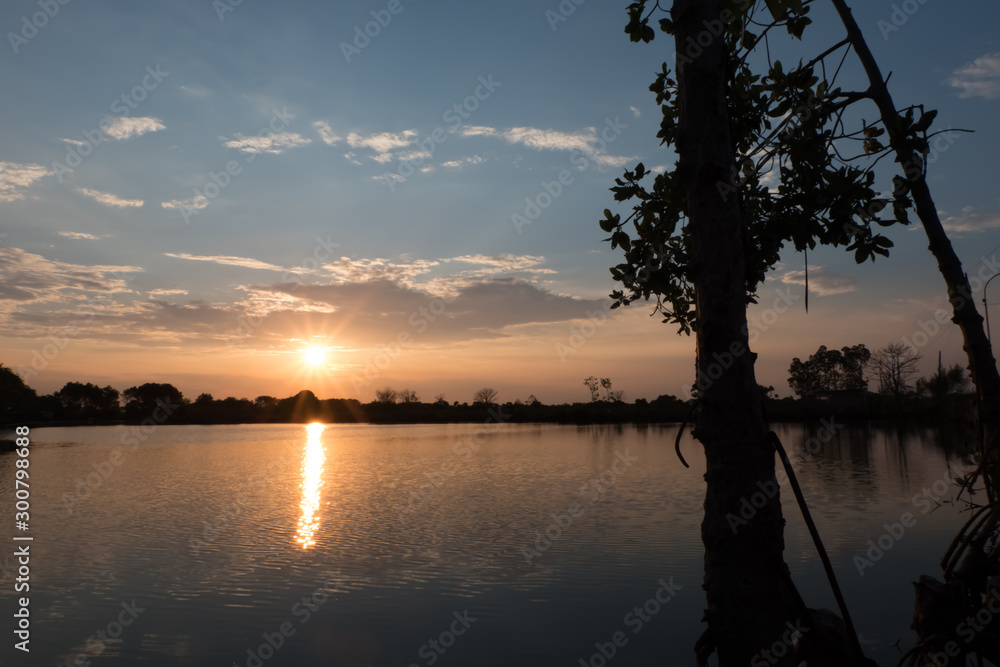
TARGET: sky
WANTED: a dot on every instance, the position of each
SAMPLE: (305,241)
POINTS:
(200,192)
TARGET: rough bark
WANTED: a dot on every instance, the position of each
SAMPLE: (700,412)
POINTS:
(982,364)
(750,595)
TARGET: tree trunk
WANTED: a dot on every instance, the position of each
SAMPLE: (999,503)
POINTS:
(982,365)
(750,594)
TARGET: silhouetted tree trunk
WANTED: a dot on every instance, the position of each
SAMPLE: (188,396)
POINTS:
(982,365)
(750,593)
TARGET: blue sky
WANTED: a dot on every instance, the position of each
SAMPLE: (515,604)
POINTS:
(315,240)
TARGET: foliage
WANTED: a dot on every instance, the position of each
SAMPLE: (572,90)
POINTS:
(386,395)
(408,396)
(15,395)
(593,385)
(829,370)
(788,128)
(145,398)
(88,400)
(945,381)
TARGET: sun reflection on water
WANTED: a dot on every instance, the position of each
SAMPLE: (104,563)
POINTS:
(312,482)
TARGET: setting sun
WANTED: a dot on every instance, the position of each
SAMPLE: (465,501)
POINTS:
(315,356)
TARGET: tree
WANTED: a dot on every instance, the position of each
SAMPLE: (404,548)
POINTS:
(894,365)
(944,381)
(79,400)
(606,385)
(829,370)
(704,272)
(145,398)
(265,402)
(386,395)
(592,384)
(15,395)
(485,396)
(204,399)
(440,400)
(532,401)
(617,396)
(408,396)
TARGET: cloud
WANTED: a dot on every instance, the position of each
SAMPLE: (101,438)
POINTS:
(30,278)
(14,177)
(382,143)
(635,112)
(971,222)
(585,141)
(980,78)
(821,281)
(463,162)
(271,143)
(505,262)
(167,292)
(228,260)
(195,91)
(80,236)
(126,128)
(108,199)
(193,204)
(326,134)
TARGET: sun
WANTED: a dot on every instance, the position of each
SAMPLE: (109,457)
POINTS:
(314,356)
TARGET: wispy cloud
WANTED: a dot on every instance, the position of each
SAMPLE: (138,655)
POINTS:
(821,281)
(969,222)
(635,112)
(166,292)
(329,137)
(228,260)
(538,139)
(80,236)
(272,143)
(193,204)
(108,199)
(15,177)
(980,78)
(33,278)
(463,162)
(126,127)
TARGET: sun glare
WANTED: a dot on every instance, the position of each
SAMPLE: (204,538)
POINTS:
(315,356)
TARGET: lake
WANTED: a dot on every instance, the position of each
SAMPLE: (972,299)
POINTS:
(441,545)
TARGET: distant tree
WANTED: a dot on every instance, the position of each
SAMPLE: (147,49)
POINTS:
(893,366)
(617,396)
(147,397)
(386,395)
(829,370)
(606,385)
(944,381)
(15,395)
(440,400)
(265,402)
(766,392)
(87,400)
(532,400)
(204,399)
(593,384)
(485,396)
(408,396)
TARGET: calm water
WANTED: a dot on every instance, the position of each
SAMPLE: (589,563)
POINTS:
(358,545)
